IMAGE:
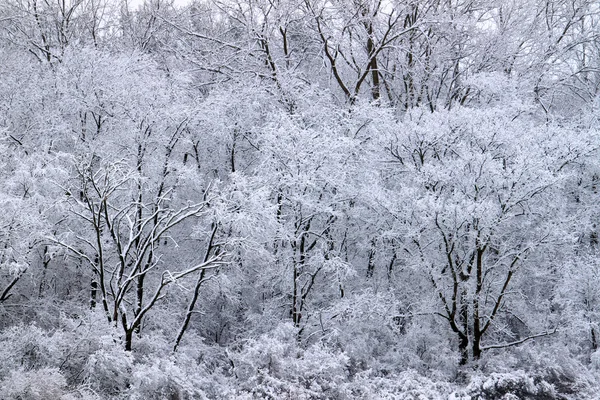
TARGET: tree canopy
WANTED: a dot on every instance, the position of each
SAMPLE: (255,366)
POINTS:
(299,199)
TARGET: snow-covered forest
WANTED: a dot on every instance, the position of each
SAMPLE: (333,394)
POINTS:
(300,199)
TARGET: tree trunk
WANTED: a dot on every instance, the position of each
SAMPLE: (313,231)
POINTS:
(373,67)
(128,339)
(371,261)
(295,299)
(476,347)
(140,298)
(93,294)
(463,347)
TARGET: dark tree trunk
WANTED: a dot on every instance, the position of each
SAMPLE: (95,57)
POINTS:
(371,261)
(93,294)
(128,339)
(295,299)
(140,298)
(476,347)
(463,347)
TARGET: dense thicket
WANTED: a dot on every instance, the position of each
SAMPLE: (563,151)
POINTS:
(299,199)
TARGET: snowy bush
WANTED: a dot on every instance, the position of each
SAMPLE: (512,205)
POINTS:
(508,386)
(274,366)
(40,384)
(108,370)
(27,348)
(408,385)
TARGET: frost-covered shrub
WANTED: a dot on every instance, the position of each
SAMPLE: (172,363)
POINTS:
(162,379)
(108,369)
(195,371)
(274,366)
(376,338)
(508,386)
(551,366)
(425,351)
(541,383)
(40,384)
(595,360)
(408,385)
(82,354)
(25,347)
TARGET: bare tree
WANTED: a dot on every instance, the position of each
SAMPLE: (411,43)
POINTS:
(125,243)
